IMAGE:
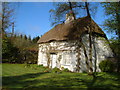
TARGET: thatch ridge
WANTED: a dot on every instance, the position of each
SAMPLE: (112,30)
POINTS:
(71,31)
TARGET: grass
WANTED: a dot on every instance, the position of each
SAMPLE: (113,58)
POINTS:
(34,77)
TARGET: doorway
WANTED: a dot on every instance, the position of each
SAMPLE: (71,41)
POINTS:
(53,58)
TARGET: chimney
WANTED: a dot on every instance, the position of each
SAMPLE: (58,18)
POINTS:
(69,17)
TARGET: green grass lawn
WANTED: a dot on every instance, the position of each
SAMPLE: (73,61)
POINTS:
(34,76)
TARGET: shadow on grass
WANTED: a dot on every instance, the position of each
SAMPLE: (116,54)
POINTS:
(107,81)
(20,81)
(58,81)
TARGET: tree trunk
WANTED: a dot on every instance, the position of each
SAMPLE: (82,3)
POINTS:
(78,50)
(95,62)
(3,20)
(90,50)
(12,30)
(118,19)
(87,9)
(118,32)
(70,5)
(86,57)
(90,39)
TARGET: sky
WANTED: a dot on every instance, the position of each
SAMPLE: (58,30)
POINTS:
(33,18)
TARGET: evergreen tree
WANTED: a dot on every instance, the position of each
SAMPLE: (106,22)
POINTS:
(35,39)
(21,36)
(25,37)
(29,38)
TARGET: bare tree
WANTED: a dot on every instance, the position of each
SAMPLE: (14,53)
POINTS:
(8,16)
(7,13)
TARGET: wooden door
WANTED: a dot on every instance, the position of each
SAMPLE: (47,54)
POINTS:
(53,58)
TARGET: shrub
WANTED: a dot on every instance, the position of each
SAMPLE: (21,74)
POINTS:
(66,70)
(106,66)
(40,66)
(56,70)
(26,65)
(47,70)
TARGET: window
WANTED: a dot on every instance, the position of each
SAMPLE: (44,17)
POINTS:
(66,58)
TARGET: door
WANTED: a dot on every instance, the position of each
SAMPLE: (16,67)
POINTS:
(53,57)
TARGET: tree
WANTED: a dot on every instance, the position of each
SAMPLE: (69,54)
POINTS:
(7,15)
(35,39)
(21,36)
(15,48)
(112,23)
(115,45)
(25,37)
(9,51)
(29,38)
(90,39)
(27,49)
(62,8)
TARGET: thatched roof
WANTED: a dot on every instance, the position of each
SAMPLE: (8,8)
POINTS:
(71,31)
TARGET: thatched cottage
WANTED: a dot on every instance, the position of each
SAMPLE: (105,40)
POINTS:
(67,45)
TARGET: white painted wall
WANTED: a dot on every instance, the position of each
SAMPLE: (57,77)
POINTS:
(68,54)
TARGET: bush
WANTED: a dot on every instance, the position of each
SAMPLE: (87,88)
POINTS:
(56,70)
(27,65)
(47,70)
(66,70)
(40,66)
(106,66)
